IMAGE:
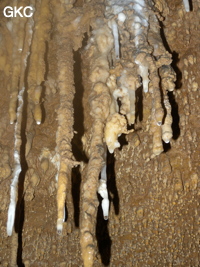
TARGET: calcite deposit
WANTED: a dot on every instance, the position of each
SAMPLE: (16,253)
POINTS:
(99,136)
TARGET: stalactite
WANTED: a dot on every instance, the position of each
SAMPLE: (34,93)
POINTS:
(137,30)
(64,133)
(37,68)
(16,28)
(17,169)
(142,53)
(17,134)
(102,189)
(99,100)
(186,5)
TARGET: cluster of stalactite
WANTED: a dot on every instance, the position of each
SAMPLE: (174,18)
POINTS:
(125,52)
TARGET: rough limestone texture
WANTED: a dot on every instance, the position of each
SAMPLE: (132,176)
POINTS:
(154,217)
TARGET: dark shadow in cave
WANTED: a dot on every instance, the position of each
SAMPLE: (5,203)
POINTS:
(191,5)
(20,208)
(19,223)
(66,213)
(111,182)
(104,241)
(175,60)
(175,116)
(139,104)
(122,140)
(77,146)
(76,193)
(45,79)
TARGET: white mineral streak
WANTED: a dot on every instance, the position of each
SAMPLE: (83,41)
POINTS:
(17,169)
(186,5)
(17,134)
(116,37)
(102,190)
(141,21)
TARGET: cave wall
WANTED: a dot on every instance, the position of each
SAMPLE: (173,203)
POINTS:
(154,215)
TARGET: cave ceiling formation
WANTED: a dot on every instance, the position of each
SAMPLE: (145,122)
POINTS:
(99,132)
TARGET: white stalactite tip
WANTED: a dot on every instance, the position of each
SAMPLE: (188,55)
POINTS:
(105,208)
(167,133)
(11,219)
(144,73)
(159,123)
(116,37)
(186,5)
(59,226)
(102,190)
(60,222)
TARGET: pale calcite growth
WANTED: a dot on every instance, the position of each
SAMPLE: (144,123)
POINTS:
(186,5)
(121,17)
(128,83)
(112,85)
(100,70)
(136,54)
(17,169)
(104,39)
(114,28)
(115,126)
(17,134)
(143,70)
(102,190)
